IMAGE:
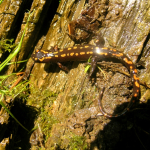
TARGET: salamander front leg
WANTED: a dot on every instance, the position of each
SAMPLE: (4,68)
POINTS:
(54,49)
(62,67)
(93,65)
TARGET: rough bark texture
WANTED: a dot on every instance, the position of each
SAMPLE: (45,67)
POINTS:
(65,104)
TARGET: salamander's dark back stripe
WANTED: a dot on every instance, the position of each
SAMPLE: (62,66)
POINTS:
(82,53)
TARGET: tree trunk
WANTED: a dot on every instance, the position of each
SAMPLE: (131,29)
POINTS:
(64,106)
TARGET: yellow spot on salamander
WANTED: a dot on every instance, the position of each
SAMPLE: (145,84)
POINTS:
(127,61)
(90,52)
(37,50)
(81,47)
(130,62)
(61,50)
(105,48)
(135,77)
(67,54)
(49,57)
(131,67)
(36,59)
(45,52)
(56,55)
(63,55)
(136,84)
(76,54)
(69,49)
(135,71)
(113,49)
(75,47)
(41,59)
(118,55)
(86,46)
(82,53)
(135,95)
(100,53)
(71,54)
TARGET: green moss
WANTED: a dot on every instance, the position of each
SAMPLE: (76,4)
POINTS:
(6,45)
(43,101)
(77,143)
(46,122)
(40,98)
(1,1)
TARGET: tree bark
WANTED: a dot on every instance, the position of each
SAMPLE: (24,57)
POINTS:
(69,116)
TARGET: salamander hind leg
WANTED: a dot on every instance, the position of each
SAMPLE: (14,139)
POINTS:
(93,66)
(111,115)
(62,67)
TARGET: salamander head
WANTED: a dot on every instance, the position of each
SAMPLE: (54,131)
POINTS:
(38,56)
(42,56)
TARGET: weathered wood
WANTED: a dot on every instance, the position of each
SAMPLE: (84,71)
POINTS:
(72,115)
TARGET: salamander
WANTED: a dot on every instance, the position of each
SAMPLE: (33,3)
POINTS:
(82,53)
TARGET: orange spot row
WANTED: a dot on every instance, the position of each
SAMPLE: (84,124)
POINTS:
(41,59)
(90,52)
(74,47)
(44,51)
(103,54)
(137,84)
(55,53)
(127,61)
(82,53)
(63,55)
(135,77)
(113,49)
(104,48)
(135,71)
(118,55)
(135,95)
(131,67)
